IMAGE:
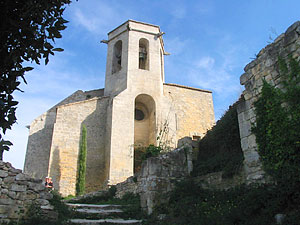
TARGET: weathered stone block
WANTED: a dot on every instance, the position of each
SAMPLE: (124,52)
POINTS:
(36,187)
(17,188)
(46,195)
(245,129)
(42,202)
(9,180)
(3,173)
(4,191)
(22,177)
(12,194)
(244,143)
(6,201)
(251,158)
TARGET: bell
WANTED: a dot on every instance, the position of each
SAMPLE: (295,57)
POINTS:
(142,53)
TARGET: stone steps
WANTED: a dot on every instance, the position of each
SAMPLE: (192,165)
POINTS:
(104,221)
(99,214)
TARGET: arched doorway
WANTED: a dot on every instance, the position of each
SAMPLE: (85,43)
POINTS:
(144,127)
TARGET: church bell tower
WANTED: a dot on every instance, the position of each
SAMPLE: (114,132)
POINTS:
(134,81)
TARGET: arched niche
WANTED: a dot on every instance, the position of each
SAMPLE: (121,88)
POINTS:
(144,126)
(143,54)
(117,57)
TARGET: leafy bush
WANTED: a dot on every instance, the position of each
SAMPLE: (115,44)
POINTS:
(220,149)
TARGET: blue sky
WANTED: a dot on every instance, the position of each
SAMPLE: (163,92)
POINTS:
(210,43)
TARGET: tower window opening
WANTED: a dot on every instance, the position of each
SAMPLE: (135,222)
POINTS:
(144,54)
(117,57)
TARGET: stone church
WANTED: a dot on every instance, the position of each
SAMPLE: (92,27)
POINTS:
(136,108)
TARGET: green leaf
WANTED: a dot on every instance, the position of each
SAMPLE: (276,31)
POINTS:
(28,68)
(58,49)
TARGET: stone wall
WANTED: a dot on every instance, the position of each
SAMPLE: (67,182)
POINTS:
(17,191)
(157,177)
(40,135)
(66,140)
(265,66)
(189,111)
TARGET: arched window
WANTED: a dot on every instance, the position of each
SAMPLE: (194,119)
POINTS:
(144,54)
(117,57)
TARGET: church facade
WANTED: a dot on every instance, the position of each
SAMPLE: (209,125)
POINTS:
(135,109)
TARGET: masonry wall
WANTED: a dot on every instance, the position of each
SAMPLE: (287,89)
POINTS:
(265,66)
(40,136)
(157,177)
(189,111)
(66,140)
(18,191)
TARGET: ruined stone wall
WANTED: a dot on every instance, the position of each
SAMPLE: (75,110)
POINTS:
(17,191)
(265,66)
(40,136)
(189,111)
(157,177)
(66,140)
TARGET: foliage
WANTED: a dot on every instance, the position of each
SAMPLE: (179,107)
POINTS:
(143,153)
(242,205)
(27,31)
(152,151)
(277,126)
(220,149)
(80,183)
(64,213)
(4,146)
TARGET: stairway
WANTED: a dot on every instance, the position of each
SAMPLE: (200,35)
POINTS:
(89,214)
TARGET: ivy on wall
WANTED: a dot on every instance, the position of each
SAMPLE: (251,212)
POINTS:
(80,184)
(277,126)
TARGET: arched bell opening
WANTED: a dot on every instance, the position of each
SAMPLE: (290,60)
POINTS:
(117,57)
(144,54)
(144,127)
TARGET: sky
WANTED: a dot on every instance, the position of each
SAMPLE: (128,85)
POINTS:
(210,41)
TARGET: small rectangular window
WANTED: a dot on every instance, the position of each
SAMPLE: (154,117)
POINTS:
(196,138)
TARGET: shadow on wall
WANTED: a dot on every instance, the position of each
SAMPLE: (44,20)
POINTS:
(39,145)
(56,169)
(96,170)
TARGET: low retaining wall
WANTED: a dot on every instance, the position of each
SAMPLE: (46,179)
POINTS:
(18,191)
(157,177)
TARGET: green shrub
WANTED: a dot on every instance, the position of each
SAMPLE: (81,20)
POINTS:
(220,149)
(243,205)
(80,184)
(143,153)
